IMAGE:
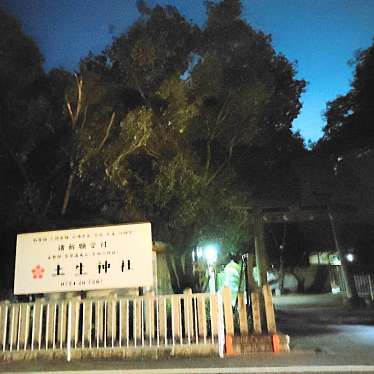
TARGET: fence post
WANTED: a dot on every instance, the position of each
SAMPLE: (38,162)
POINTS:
(138,323)
(269,309)
(243,321)
(111,319)
(51,331)
(162,319)
(227,308)
(86,322)
(14,310)
(38,322)
(228,318)
(61,324)
(221,326)
(256,314)
(188,314)
(201,312)
(68,345)
(214,314)
(371,288)
(149,316)
(124,321)
(2,323)
(176,317)
(99,322)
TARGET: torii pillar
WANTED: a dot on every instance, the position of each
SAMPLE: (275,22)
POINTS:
(260,249)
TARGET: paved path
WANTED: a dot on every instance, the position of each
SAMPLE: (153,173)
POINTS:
(297,362)
(323,324)
(238,370)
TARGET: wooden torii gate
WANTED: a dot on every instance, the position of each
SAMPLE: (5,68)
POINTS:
(309,213)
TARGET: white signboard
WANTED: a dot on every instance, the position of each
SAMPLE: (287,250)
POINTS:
(89,258)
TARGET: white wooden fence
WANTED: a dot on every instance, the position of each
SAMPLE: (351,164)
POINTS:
(184,323)
(365,286)
(144,321)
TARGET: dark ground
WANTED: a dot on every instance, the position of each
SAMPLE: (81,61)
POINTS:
(324,324)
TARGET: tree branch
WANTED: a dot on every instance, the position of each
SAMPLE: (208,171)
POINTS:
(223,165)
(75,116)
(107,131)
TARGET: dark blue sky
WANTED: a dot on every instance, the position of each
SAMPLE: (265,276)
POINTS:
(321,35)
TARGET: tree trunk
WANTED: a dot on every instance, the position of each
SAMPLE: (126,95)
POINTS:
(250,264)
(319,280)
(173,274)
(181,276)
(68,193)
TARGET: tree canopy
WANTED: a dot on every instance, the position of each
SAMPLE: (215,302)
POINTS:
(184,126)
(346,155)
(350,118)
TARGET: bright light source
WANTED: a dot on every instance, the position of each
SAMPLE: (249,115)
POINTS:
(350,257)
(210,254)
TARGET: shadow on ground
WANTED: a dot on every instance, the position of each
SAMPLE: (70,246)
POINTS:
(302,311)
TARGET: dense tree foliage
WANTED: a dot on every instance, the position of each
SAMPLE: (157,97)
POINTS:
(346,157)
(184,126)
(350,118)
(348,140)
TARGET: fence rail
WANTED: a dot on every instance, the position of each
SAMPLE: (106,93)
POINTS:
(172,323)
(144,321)
(365,286)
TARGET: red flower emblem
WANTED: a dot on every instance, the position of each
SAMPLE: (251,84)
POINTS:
(37,272)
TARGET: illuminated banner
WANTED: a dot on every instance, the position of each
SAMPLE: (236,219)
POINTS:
(89,258)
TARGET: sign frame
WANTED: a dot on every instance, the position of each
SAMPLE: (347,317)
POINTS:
(83,259)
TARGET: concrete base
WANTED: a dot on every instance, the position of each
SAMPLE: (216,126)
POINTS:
(117,353)
(247,344)
(281,343)
(251,344)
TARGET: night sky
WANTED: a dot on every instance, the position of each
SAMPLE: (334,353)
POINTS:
(321,35)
